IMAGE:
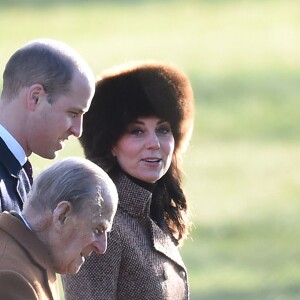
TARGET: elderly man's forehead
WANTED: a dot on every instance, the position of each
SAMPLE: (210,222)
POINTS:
(100,194)
(102,215)
(102,205)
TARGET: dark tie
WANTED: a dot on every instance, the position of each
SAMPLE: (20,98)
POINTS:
(28,169)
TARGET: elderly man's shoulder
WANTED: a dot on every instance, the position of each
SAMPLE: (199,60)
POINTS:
(14,285)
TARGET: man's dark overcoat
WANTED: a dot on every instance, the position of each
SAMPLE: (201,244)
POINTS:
(14,183)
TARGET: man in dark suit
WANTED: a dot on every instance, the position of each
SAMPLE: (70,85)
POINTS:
(69,211)
(47,87)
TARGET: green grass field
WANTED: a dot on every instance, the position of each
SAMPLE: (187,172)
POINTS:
(242,170)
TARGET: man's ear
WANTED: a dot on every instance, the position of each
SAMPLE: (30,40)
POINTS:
(62,212)
(35,93)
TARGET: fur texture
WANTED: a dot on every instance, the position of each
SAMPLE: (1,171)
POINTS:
(137,89)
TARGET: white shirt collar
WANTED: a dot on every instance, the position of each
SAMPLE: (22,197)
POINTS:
(13,145)
(25,221)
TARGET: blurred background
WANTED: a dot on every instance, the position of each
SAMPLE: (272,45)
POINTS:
(242,170)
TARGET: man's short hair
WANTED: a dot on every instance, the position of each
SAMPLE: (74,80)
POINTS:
(47,62)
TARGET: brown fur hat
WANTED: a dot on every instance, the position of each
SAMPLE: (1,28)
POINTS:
(130,91)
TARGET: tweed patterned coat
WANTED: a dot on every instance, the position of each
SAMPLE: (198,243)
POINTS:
(141,262)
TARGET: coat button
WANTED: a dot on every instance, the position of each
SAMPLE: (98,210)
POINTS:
(182,274)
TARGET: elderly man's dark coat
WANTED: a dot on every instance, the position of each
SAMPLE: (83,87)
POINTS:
(141,262)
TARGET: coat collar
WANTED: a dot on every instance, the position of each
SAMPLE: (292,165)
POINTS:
(13,145)
(136,200)
(133,198)
(31,244)
(8,160)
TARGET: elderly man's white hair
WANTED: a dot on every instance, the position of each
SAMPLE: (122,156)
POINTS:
(73,179)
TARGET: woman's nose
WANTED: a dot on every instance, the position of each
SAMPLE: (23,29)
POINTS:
(153,141)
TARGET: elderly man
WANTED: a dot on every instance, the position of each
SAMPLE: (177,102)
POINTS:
(47,87)
(67,216)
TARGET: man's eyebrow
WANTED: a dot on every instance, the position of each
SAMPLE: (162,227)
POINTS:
(78,110)
(107,226)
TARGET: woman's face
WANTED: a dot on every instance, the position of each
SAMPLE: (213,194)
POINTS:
(145,150)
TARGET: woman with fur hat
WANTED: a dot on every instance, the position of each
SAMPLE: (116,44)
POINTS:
(139,123)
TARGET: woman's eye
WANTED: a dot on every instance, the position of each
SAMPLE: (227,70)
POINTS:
(136,131)
(164,130)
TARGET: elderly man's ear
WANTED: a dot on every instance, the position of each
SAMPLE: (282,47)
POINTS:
(62,213)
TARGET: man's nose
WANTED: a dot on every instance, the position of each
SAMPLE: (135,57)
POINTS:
(100,244)
(76,128)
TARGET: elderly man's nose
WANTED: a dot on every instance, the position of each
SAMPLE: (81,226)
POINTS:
(100,245)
